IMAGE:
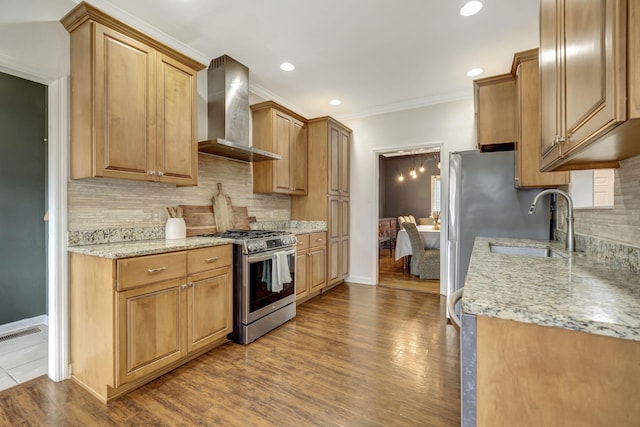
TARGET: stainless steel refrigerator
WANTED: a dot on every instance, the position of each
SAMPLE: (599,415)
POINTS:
(484,202)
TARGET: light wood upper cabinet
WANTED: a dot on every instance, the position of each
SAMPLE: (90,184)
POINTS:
(590,83)
(133,103)
(176,115)
(495,105)
(339,141)
(527,148)
(279,130)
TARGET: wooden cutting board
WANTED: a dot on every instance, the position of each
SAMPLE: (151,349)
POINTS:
(241,218)
(199,219)
(222,210)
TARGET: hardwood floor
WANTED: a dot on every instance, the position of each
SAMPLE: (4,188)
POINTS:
(355,356)
(391,274)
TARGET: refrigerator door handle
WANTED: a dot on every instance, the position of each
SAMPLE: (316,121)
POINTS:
(451,304)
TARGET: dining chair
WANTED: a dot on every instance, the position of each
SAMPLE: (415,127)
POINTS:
(424,262)
(426,221)
(384,239)
(401,221)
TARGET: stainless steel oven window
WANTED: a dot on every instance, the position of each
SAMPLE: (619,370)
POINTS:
(259,298)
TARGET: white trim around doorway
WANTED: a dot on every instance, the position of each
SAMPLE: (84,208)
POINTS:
(58,260)
(444,202)
(57,257)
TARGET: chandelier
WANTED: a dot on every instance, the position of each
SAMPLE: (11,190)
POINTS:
(413,172)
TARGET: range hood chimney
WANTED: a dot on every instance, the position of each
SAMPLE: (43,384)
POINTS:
(228,113)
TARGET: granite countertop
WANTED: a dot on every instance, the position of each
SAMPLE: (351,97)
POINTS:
(147,247)
(577,293)
(298,231)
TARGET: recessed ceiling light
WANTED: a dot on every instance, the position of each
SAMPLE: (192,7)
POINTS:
(287,66)
(335,102)
(471,8)
(475,72)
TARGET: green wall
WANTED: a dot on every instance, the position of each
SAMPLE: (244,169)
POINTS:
(22,198)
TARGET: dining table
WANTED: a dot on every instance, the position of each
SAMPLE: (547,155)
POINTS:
(430,239)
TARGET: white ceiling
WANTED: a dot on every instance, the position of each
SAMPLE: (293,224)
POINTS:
(374,55)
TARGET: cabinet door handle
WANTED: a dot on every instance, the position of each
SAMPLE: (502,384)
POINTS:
(160,173)
(184,286)
(152,173)
(557,140)
(212,259)
(190,284)
(156,270)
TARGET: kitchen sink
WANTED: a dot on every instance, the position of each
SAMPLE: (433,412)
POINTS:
(525,251)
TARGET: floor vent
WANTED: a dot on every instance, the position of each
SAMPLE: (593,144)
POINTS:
(20,334)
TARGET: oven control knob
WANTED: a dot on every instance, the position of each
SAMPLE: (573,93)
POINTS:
(287,240)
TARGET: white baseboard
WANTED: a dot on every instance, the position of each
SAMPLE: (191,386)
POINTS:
(18,325)
(361,280)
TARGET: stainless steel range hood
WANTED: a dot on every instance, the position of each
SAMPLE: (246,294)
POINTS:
(228,113)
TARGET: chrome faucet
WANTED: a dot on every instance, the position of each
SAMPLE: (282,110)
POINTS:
(571,238)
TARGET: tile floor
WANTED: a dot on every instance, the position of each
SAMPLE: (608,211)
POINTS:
(23,358)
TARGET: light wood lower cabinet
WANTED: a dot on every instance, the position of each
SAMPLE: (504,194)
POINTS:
(311,262)
(531,375)
(338,268)
(209,307)
(150,329)
(135,319)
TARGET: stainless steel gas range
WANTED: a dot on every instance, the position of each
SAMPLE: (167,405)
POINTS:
(264,281)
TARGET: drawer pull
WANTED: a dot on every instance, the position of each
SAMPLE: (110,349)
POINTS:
(319,240)
(212,259)
(156,270)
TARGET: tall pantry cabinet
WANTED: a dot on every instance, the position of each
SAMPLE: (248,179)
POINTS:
(328,191)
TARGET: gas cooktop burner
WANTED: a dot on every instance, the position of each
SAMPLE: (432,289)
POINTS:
(249,234)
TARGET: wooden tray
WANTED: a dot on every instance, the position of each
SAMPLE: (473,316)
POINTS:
(199,220)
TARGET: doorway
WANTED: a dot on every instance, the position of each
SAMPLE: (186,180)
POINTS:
(23,244)
(408,186)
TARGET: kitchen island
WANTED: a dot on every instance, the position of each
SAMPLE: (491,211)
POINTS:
(549,340)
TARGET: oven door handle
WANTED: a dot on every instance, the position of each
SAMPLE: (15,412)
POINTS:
(268,255)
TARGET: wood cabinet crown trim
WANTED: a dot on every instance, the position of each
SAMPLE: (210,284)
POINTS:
(329,119)
(281,108)
(83,12)
(520,57)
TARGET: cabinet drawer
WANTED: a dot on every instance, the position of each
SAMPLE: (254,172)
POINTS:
(303,242)
(317,239)
(138,271)
(209,258)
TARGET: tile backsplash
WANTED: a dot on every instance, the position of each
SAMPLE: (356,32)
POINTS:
(614,233)
(622,222)
(99,204)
